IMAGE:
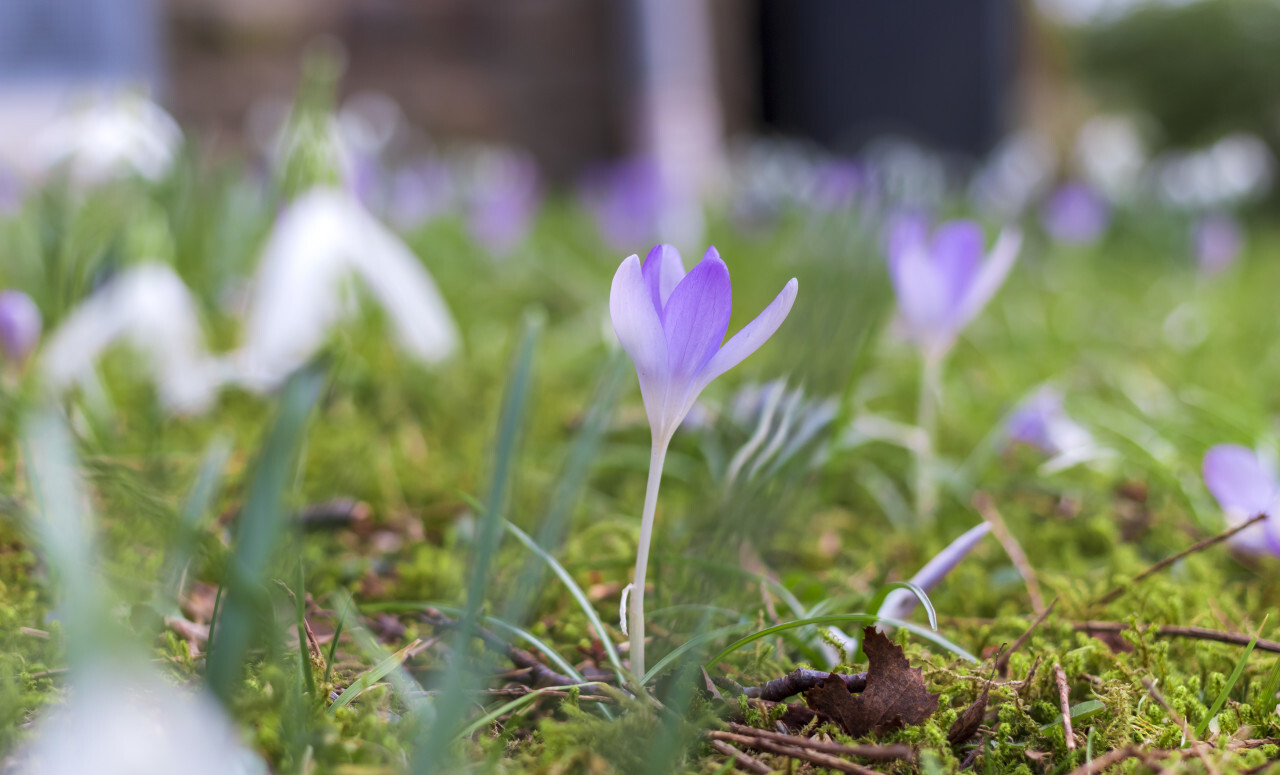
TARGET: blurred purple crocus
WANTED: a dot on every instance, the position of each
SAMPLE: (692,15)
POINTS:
(1217,240)
(836,185)
(419,193)
(673,325)
(1244,487)
(626,200)
(942,281)
(1042,422)
(503,202)
(1075,214)
(20,325)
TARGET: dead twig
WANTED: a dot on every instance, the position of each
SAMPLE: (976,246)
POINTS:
(749,763)
(1187,733)
(1166,562)
(1108,759)
(802,680)
(538,674)
(1172,631)
(879,753)
(986,506)
(1064,702)
(813,757)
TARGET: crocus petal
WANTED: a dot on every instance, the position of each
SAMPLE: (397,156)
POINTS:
(663,271)
(922,296)
(899,603)
(635,321)
(991,276)
(1235,476)
(957,251)
(749,339)
(696,317)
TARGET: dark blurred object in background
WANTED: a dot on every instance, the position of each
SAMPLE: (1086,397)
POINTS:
(843,72)
(1201,70)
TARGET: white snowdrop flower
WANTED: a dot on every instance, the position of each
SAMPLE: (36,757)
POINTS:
(131,722)
(300,292)
(110,138)
(149,308)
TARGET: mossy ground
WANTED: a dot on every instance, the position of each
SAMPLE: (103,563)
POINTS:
(1158,362)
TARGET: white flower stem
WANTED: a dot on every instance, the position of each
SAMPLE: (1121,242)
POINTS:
(927,421)
(657,457)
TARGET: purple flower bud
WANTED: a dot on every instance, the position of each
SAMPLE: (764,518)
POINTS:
(1244,488)
(627,201)
(505,199)
(836,186)
(420,193)
(673,324)
(1042,422)
(1217,240)
(20,324)
(942,281)
(1075,215)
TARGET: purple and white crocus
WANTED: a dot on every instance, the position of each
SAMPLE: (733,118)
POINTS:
(673,325)
(1244,487)
(20,324)
(942,282)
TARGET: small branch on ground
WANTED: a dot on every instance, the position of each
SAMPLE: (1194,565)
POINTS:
(1108,759)
(337,513)
(1173,631)
(986,506)
(749,763)
(802,680)
(1188,735)
(1064,702)
(791,751)
(1166,562)
(879,753)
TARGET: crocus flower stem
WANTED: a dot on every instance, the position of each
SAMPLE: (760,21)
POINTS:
(927,421)
(657,458)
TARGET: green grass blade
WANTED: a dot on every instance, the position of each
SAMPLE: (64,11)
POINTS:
(258,531)
(578,595)
(1271,686)
(510,707)
(863,619)
(300,609)
(402,683)
(371,676)
(431,753)
(337,635)
(883,593)
(206,488)
(582,454)
(1230,684)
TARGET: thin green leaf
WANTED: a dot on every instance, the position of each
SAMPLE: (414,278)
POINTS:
(578,595)
(300,610)
(337,635)
(883,592)
(511,707)
(208,483)
(372,676)
(1230,684)
(863,619)
(258,531)
(1081,711)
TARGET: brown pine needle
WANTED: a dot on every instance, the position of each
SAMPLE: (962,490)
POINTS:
(1064,701)
(986,506)
(1166,562)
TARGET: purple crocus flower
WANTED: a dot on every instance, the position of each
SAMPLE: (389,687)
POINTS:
(942,281)
(1075,214)
(672,325)
(20,324)
(1217,240)
(419,193)
(503,203)
(1042,422)
(836,185)
(1244,488)
(626,200)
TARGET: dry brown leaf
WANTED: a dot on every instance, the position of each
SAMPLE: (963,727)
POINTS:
(896,695)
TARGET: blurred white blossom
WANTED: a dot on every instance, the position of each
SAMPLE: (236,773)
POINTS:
(149,308)
(322,241)
(131,722)
(109,138)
